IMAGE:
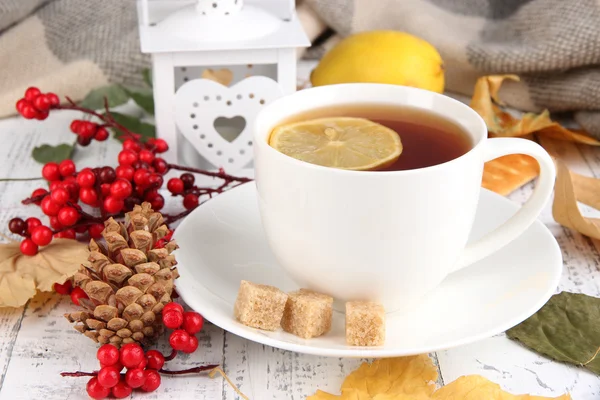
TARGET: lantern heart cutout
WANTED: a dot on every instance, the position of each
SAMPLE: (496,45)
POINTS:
(219,120)
(229,128)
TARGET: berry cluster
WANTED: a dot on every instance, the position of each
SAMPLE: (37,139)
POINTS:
(67,288)
(108,191)
(185,324)
(87,130)
(36,104)
(142,371)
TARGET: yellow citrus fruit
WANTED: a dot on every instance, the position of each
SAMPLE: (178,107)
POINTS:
(344,142)
(382,57)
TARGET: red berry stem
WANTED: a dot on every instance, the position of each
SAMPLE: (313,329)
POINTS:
(169,219)
(221,174)
(19,179)
(78,374)
(34,199)
(194,370)
(171,356)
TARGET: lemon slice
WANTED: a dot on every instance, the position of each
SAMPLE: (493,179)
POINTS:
(344,142)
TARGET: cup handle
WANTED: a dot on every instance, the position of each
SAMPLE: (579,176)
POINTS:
(528,213)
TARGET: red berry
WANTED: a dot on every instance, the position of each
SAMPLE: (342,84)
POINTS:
(141,177)
(86,178)
(172,319)
(83,141)
(121,188)
(53,99)
(28,247)
(190,201)
(132,355)
(68,216)
(37,193)
(88,196)
(179,339)
(157,202)
(125,172)
(160,165)
(66,168)
(135,377)
(28,111)
(41,235)
(55,224)
(31,93)
(41,115)
(105,189)
(66,234)
(108,355)
(155,359)
(155,181)
(175,185)
(113,205)
(49,206)
(152,381)
(192,345)
(87,129)
(143,363)
(51,172)
(108,377)
(188,180)
(75,126)
(22,103)
(107,175)
(96,230)
(160,145)
(101,134)
(146,156)
(121,390)
(95,390)
(60,196)
(41,102)
(17,226)
(64,288)
(192,322)
(32,223)
(81,229)
(172,306)
(130,144)
(77,294)
(127,157)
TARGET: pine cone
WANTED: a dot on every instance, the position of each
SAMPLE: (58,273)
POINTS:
(128,280)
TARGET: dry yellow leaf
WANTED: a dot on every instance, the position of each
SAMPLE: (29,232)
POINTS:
(388,379)
(413,378)
(224,76)
(475,387)
(570,188)
(22,276)
(502,124)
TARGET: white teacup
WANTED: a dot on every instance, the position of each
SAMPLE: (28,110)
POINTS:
(383,236)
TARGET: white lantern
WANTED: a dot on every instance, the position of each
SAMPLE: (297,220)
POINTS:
(249,46)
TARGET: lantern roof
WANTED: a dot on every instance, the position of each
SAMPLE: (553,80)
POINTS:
(180,26)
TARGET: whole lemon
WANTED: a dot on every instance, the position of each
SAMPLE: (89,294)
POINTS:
(382,57)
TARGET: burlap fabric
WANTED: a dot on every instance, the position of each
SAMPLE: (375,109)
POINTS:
(70,46)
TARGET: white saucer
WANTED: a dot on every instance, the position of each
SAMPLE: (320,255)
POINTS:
(222,242)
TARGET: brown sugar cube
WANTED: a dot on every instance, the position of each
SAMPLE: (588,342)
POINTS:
(259,306)
(365,323)
(307,314)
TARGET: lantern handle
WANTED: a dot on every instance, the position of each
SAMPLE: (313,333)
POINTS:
(145,13)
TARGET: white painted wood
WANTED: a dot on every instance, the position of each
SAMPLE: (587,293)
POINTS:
(37,343)
(164,102)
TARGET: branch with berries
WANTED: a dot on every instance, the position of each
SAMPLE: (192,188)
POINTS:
(104,191)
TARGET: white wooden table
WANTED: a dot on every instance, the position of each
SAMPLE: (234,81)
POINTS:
(37,343)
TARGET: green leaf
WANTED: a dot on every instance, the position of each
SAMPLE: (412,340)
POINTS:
(134,125)
(113,93)
(566,328)
(46,153)
(142,98)
(147,74)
